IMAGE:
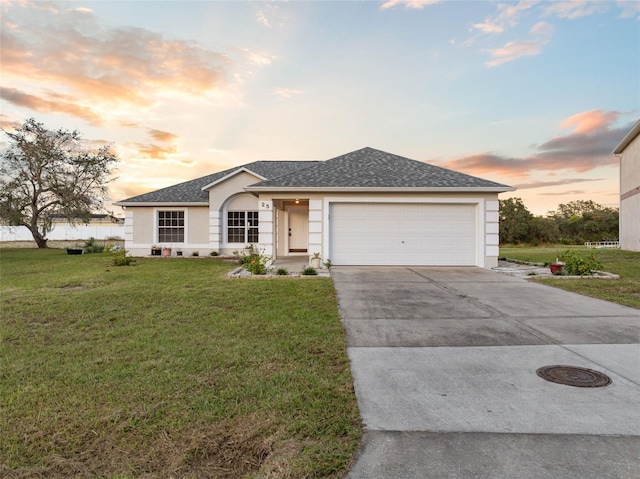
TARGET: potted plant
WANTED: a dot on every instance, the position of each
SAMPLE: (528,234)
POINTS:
(166,252)
(179,252)
(316,261)
(156,251)
(556,268)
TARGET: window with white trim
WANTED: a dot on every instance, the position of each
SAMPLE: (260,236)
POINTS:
(171,226)
(242,227)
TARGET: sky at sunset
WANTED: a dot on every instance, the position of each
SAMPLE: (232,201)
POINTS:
(532,94)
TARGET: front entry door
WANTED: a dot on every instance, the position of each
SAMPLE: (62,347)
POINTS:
(298,229)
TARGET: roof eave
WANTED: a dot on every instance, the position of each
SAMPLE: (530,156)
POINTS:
(231,175)
(628,138)
(342,189)
(162,203)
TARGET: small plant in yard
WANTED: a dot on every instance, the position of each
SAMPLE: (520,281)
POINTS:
(214,253)
(254,261)
(122,258)
(92,246)
(576,265)
(195,253)
(328,264)
(309,271)
(282,272)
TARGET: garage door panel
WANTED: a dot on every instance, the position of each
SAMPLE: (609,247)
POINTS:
(402,234)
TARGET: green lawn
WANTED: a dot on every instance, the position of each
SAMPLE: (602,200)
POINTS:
(625,291)
(169,369)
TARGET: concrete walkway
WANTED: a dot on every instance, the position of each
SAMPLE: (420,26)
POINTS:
(444,363)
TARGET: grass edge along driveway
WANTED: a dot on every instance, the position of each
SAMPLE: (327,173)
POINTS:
(625,291)
(169,368)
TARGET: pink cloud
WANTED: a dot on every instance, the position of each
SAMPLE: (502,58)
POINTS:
(512,51)
(507,15)
(160,135)
(109,66)
(590,120)
(544,184)
(579,151)
(572,9)
(55,103)
(410,4)
(542,28)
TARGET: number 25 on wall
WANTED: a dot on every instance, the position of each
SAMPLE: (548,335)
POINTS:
(265,205)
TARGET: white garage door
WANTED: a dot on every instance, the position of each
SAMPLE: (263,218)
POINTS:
(402,234)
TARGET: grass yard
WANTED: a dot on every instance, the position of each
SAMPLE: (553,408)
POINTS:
(624,291)
(169,369)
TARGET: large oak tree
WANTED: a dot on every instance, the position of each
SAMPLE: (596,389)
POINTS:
(45,172)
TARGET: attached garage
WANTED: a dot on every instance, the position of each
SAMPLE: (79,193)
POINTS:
(434,234)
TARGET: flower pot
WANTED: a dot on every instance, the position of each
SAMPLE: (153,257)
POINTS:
(179,253)
(315,263)
(156,251)
(166,252)
(555,268)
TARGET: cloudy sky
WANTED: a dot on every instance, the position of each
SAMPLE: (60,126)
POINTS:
(533,94)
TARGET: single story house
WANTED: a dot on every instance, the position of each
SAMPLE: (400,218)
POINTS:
(628,150)
(367,207)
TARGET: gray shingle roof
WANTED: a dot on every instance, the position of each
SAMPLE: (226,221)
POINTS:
(371,168)
(191,191)
(364,168)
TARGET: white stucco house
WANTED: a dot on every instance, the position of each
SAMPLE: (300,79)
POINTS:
(628,150)
(367,207)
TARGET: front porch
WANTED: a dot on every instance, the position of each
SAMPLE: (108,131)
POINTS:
(290,228)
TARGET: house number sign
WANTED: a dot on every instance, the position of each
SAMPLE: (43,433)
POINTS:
(265,205)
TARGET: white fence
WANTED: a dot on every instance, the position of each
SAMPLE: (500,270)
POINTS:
(64,232)
(602,244)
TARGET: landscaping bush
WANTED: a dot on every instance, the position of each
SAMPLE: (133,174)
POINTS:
(92,246)
(254,261)
(576,265)
(309,271)
(121,258)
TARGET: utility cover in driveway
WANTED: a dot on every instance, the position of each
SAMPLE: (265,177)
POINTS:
(403,234)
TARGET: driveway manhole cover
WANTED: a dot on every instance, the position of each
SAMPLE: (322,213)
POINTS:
(574,376)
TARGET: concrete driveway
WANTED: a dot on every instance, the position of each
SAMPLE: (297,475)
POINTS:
(444,363)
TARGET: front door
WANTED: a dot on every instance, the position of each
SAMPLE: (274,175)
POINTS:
(298,229)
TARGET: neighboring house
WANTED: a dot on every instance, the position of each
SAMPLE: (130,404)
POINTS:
(628,150)
(367,207)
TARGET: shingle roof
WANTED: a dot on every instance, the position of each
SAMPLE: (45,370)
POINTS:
(371,168)
(191,191)
(365,168)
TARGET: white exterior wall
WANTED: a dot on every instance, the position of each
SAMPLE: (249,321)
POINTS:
(492,233)
(141,230)
(265,227)
(630,196)
(316,227)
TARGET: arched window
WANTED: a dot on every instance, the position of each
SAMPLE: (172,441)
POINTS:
(242,219)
